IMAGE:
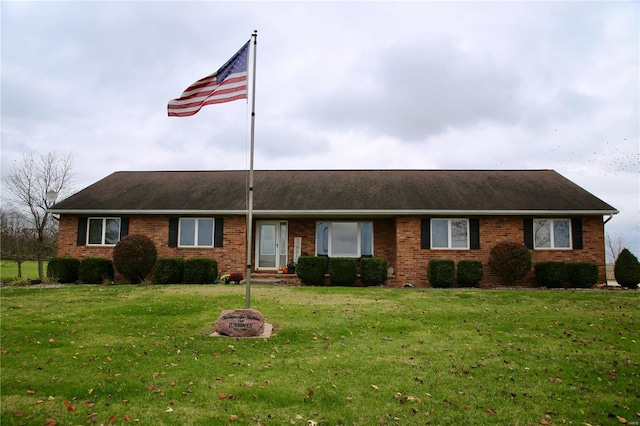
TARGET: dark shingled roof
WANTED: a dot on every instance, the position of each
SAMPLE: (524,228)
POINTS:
(314,191)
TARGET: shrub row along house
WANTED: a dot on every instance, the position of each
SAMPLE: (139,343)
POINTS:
(407,217)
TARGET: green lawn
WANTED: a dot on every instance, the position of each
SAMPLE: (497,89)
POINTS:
(81,354)
(9,270)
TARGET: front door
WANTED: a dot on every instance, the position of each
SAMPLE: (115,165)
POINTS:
(271,247)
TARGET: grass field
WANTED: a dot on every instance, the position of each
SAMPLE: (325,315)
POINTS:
(9,270)
(123,354)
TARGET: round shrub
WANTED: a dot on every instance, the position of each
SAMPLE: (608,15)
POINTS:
(627,270)
(442,273)
(469,273)
(311,269)
(510,261)
(169,270)
(343,271)
(95,270)
(134,257)
(551,274)
(200,271)
(63,269)
(582,274)
(373,271)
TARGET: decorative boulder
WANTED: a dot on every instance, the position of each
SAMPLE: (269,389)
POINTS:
(240,323)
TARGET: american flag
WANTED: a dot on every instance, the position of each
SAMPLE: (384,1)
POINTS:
(227,84)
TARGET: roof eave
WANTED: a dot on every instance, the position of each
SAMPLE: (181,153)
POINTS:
(336,213)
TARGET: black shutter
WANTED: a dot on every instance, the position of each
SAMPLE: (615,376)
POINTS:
(218,232)
(82,231)
(576,230)
(425,233)
(124,227)
(173,232)
(528,233)
(474,234)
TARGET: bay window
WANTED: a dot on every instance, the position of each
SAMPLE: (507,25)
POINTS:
(344,239)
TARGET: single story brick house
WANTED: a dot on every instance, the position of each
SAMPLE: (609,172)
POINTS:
(406,216)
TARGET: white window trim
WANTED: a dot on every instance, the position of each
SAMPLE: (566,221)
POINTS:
(195,232)
(449,239)
(358,253)
(552,236)
(103,229)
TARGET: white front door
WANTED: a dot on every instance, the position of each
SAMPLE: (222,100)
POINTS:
(271,247)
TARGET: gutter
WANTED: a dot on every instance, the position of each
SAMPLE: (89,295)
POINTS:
(608,219)
(340,213)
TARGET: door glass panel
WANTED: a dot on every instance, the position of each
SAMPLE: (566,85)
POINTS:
(283,244)
(267,243)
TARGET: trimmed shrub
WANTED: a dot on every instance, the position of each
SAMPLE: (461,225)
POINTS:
(373,271)
(551,274)
(311,269)
(442,273)
(510,261)
(627,270)
(134,257)
(95,270)
(469,273)
(200,271)
(63,269)
(582,274)
(169,270)
(343,271)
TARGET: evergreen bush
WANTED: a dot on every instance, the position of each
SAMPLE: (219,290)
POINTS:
(311,269)
(169,270)
(627,270)
(582,274)
(343,271)
(63,269)
(510,261)
(469,273)
(134,257)
(95,270)
(442,273)
(200,271)
(551,274)
(373,271)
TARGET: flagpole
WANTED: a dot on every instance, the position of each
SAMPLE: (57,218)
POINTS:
(250,201)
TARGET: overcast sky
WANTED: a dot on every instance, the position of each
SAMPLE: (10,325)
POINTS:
(363,85)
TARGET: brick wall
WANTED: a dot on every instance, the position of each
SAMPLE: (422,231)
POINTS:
(397,240)
(412,260)
(230,257)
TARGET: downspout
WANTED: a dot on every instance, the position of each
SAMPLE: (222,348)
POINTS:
(608,219)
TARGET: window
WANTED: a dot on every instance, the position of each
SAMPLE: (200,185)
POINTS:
(450,233)
(552,233)
(103,231)
(344,239)
(196,232)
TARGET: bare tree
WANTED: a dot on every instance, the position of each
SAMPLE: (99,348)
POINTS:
(27,185)
(614,246)
(19,240)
